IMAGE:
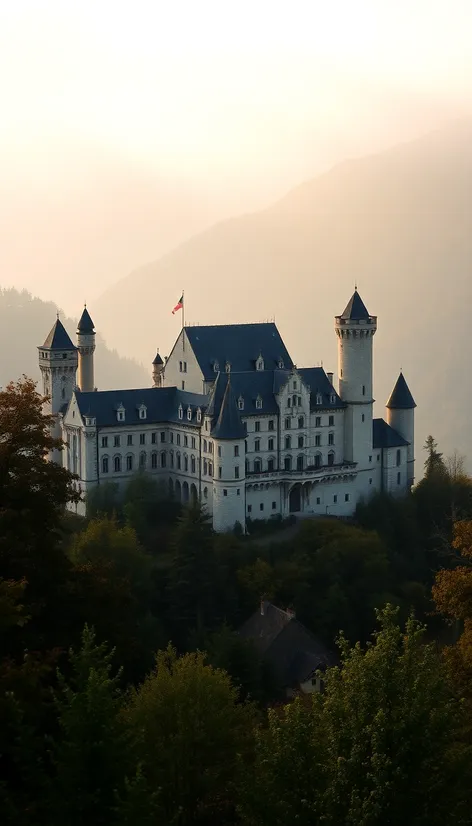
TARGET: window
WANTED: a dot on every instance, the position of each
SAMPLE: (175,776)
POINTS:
(142,460)
(259,403)
(363,417)
(331,438)
(260,363)
(153,438)
(116,441)
(185,366)
(288,443)
(257,427)
(274,506)
(399,478)
(225,492)
(163,436)
(300,441)
(236,450)
(171,438)
(270,465)
(370,481)
(318,500)
(179,461)
(193,464)
(199,415)
(180,366)
(257,465)
(319,399)
(399,457)
(240,403)
(295,401)
(210,447)
(205,467)
(142,412)
(288,463)
(117,464)
(261,506)
(185,440)
(281,364)
(332,399)
(129,440)
(318,460)
(183,385)
(186,463)
(346,497)
(335,498)
(210,468)
(193,441)
(104,441)
(301,421)
(219,473)
(142,438)
(318,440)
(189,414)
(294,385)
(363,389)
(289,402)
(105,464)
(236,472)
(271,444)
(163,459)
(318,421)
(120,414)
(331,458)
(249,508)
(219,451)
(257,445)
(181,412)
(172,458)
(300,462)
(205,446)
(287,423)
(331,421)
(238,492)
(378,457)
(178,438)
(216,367)
(129,463)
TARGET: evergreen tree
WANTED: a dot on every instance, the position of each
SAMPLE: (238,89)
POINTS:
(434,462)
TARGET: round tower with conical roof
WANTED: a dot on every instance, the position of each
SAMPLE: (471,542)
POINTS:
(86,348)
(229,472)
(355,329)
(401,416)
(158,370)
(58,365)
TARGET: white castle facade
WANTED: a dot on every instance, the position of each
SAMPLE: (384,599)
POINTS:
(232,422)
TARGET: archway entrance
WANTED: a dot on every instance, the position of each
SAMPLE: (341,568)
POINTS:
(193,494)
(295,499)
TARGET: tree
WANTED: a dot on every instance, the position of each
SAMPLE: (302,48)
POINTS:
(191,733)
(91,753)
(378,747)
(241,660)
(434,463)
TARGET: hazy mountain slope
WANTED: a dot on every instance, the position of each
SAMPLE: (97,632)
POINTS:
(24,324)
(399,223)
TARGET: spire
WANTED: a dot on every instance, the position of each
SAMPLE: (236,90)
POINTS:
(58,338)
(401,398)
(85,324)
(229,424)
(158,359)
(356,309)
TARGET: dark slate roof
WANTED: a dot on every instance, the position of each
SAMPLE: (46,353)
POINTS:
(238,344)
(58,338)
(162,405)
(85,324)
(401,397)
(229,424)
(386,436)
(355,309)
(318,381)
(291,649)
(158,359)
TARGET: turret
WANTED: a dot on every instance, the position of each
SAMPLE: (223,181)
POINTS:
(355,329)
(401,416)
(86,348)
(158,370)
(228,435)
(58,364)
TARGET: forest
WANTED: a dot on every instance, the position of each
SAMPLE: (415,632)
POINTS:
(127,695)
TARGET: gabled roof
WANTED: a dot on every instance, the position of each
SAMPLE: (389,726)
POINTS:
(238,344)
(291,649)
(85,324)
(162,405)
(228,424)
(385,436)
(401,397)
(58,338)
(319,383)
(355,309)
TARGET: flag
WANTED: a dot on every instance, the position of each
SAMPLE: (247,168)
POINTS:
(179,305)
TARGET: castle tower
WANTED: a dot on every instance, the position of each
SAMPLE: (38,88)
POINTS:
(401,416)
(157,370)
(86,348)
(229,433)
(58,364)
(355,330)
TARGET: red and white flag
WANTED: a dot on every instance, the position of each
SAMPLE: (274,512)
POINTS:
(179,305)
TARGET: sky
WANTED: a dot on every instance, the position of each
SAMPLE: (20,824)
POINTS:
(127,126)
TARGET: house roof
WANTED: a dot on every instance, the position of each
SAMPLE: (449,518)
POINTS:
(238,344)
(292,650)
(162,405)
(85,324)
(355,309)
(158,359)
(229,424)
(319,383)
(400,397)
(58,338)
(386,436)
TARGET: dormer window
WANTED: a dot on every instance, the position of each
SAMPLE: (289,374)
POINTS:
(142,409)
(120,413)
(259,403)
(260,363)
(189,414)
(319,398)
(240,403)
(281,364)
(199,415)
(228,367)
(332,399)
(89,421)
(216,367)
(181,412)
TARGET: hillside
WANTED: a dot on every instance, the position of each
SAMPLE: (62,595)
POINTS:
(24,324)
(399,223)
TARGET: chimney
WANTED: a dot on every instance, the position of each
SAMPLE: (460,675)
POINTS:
(330,377)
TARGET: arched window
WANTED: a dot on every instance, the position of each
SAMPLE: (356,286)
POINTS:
(257,465)
(300,462)
(117,464)
(319,398)
(193,464)
(163,459)
(105,464)
(181,412)
(318,460)
(204,445)
(172,458)
(288,442)
(259,403)
(189,414)
(205,467)
(199,415)
(179,461)
(154,460)
(331,457)
(240,403)
(289,402)
(129,462)
(288,463)
(142,460)
(399,457)
(294,401)
(300,441)
(185,462)
(271,464)
(301,421)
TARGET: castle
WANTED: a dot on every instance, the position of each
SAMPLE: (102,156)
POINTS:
(232,422)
